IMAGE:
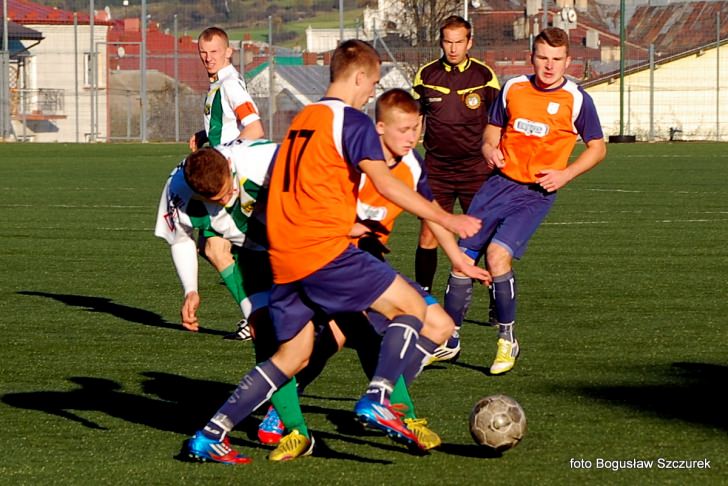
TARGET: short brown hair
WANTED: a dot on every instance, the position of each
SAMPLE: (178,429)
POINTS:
(206,171)
(210,32)
(553,36)
(353,53)
(396,98)
(455,22)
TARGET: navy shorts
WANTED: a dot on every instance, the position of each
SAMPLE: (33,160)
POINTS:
(510,211)
(349,283)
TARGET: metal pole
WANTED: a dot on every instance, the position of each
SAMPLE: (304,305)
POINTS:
(652,93)
(241,61)
(717,77)
(271,74)
(75,72)
(143,84)
(341,21)
(545,20)
(621,67)
(5,82)
(465,9)
(176,82)
(92,71)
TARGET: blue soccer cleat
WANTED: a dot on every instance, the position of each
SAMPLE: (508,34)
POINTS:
(202,449)
(271,428)
(380,416)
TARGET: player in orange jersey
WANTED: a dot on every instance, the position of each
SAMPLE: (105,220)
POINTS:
(532,131)
(311,209)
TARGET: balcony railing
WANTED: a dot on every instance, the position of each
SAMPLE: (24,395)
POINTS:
(37,104)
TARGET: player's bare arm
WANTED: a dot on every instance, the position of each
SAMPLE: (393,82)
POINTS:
(461,263)
(491,147)
(553,180)
(184,258)
(252,131)
(400,194)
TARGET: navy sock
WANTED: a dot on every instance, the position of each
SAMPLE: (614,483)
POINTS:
(458,294)
(425,266)
(399,338)
(253,391)
(417,358)
(504,295)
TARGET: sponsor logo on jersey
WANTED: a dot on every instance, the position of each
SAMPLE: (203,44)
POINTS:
(374,213)
(530,128)
(435,100)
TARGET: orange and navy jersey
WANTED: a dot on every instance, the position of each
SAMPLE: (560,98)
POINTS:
(541,126)
(314,186)
(379,213)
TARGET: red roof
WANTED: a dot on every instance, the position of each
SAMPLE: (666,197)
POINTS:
(25,12)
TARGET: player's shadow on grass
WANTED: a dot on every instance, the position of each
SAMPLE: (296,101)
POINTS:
(169,402)
(194,401)
(108,306)
(683,391)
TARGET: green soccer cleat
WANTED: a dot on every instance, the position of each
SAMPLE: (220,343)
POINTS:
(292,446)
(426,437)
(506,356)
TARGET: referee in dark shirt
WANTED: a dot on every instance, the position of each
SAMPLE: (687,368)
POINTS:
(455,93)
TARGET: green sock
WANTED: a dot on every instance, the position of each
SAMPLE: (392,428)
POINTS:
(400,395)
(285,401)
(234,282)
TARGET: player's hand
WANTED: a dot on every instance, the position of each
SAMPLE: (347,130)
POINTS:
(358,230)
(189,311)
(474,272)
(461,224)
(193,142)
(493,156)
(552,180)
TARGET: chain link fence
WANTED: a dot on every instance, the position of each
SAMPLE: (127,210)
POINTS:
(662,81)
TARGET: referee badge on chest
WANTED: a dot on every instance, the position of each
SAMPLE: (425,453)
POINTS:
(472,101)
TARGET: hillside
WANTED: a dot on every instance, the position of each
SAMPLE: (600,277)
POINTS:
(235,15)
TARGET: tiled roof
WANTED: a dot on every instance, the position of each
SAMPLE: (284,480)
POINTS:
(25,12)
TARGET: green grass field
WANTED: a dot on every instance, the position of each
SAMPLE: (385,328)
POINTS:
(622,317)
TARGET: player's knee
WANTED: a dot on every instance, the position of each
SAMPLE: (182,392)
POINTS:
(499,259)
(438,325)
(217,252)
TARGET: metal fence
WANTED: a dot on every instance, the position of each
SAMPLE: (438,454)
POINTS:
(661,81)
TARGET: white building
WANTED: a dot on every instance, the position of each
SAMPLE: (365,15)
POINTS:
(689,98)
(52,99)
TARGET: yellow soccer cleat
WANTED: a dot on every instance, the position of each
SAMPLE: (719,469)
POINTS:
(506,356)
(426,437)
(292,446)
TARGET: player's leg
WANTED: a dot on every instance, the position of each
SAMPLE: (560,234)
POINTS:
(426,253)
(527,206)
(366,340)
(504,295)
(295,333)
(285,411)
(329,341)
(218,251)
(426,257)
(458,293)
(353,282)
(466,193)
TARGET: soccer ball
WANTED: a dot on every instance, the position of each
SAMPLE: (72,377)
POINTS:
(497,422)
